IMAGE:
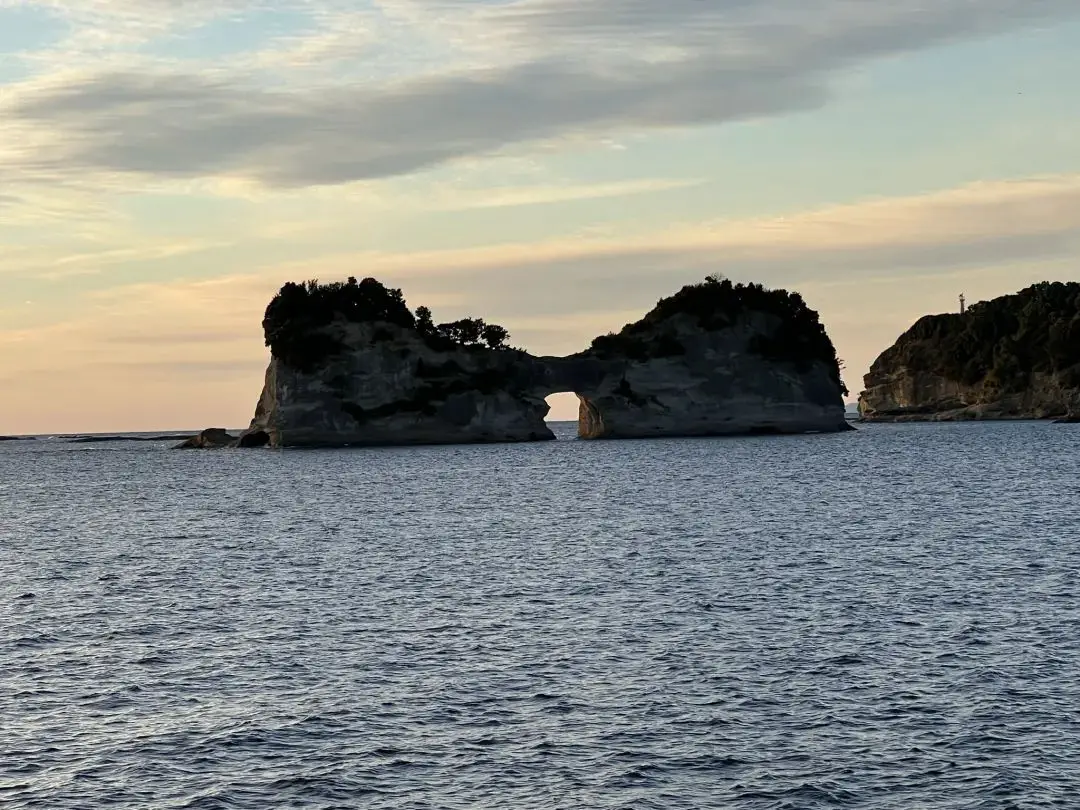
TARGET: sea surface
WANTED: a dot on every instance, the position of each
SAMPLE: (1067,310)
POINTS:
(882,619)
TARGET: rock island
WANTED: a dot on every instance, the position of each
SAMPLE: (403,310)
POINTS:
(1014,357)
(352,365)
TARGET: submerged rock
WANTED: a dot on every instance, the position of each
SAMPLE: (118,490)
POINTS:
(211,438)
(351,365)
(109,439)
(1015,357)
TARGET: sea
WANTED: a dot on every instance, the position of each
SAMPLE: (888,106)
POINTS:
(887,618)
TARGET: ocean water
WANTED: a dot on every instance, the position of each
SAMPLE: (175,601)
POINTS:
(880,619)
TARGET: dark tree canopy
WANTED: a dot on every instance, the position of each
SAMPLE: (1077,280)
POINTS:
(424,323)
(295,317)
(1000,342)
(494,335)
(717,303)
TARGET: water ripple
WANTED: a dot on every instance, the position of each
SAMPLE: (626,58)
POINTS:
(883,619)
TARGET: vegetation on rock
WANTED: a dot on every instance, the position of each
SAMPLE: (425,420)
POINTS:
(717,303)
(465,332)
(998,343)
(295,320)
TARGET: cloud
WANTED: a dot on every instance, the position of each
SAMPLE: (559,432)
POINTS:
(201,369)
(589,68)
(509,197)
(112,22)
(143,337)
(65,258)
(187,126)
(755,26)
(977,225)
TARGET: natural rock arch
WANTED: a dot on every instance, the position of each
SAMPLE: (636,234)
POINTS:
(351,365)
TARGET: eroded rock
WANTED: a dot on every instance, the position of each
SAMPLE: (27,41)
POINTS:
(688,378)
(1014,357)
(396,389)
(253,438)
(209,439)
(351,366)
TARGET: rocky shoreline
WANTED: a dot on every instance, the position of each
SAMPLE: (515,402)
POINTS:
(907,396)
(1011,358)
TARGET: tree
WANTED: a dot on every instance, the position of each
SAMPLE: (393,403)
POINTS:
(424,324)
(495,336)
(470,330)
(450,330)
(296,317)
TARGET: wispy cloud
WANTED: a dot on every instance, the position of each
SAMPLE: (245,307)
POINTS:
(591,68)
(515,196)
(983,223)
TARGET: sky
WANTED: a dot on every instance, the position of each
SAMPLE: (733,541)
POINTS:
(555,166)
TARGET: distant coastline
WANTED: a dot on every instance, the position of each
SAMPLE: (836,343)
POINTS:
(1013,357)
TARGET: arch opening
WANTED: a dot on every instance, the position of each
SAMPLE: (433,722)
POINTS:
(573,415)
(563,407)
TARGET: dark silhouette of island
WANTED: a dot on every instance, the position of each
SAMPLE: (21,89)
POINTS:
(351,364)
(1013,357)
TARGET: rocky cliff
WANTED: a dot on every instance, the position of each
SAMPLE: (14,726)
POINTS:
(351,365)
(714,359)
(1015,357)
(387,385)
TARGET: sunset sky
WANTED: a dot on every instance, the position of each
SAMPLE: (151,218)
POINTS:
(551,165)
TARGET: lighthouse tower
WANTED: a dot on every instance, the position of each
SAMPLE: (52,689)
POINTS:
(963,304)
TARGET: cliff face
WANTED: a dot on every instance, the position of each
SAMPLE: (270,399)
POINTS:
(703,382)
(912,395)
(393,388)
(1015,357)
(687,369)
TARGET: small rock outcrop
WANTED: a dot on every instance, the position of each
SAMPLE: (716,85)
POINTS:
(253,438)
(101,439)
(351,365)
(1014,357)
(211,438)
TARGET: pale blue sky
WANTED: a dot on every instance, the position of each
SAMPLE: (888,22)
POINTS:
(552,165)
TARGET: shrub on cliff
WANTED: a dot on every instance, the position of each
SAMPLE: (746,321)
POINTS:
(717,303)
(473,332)
(1000,342)
(294,320)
